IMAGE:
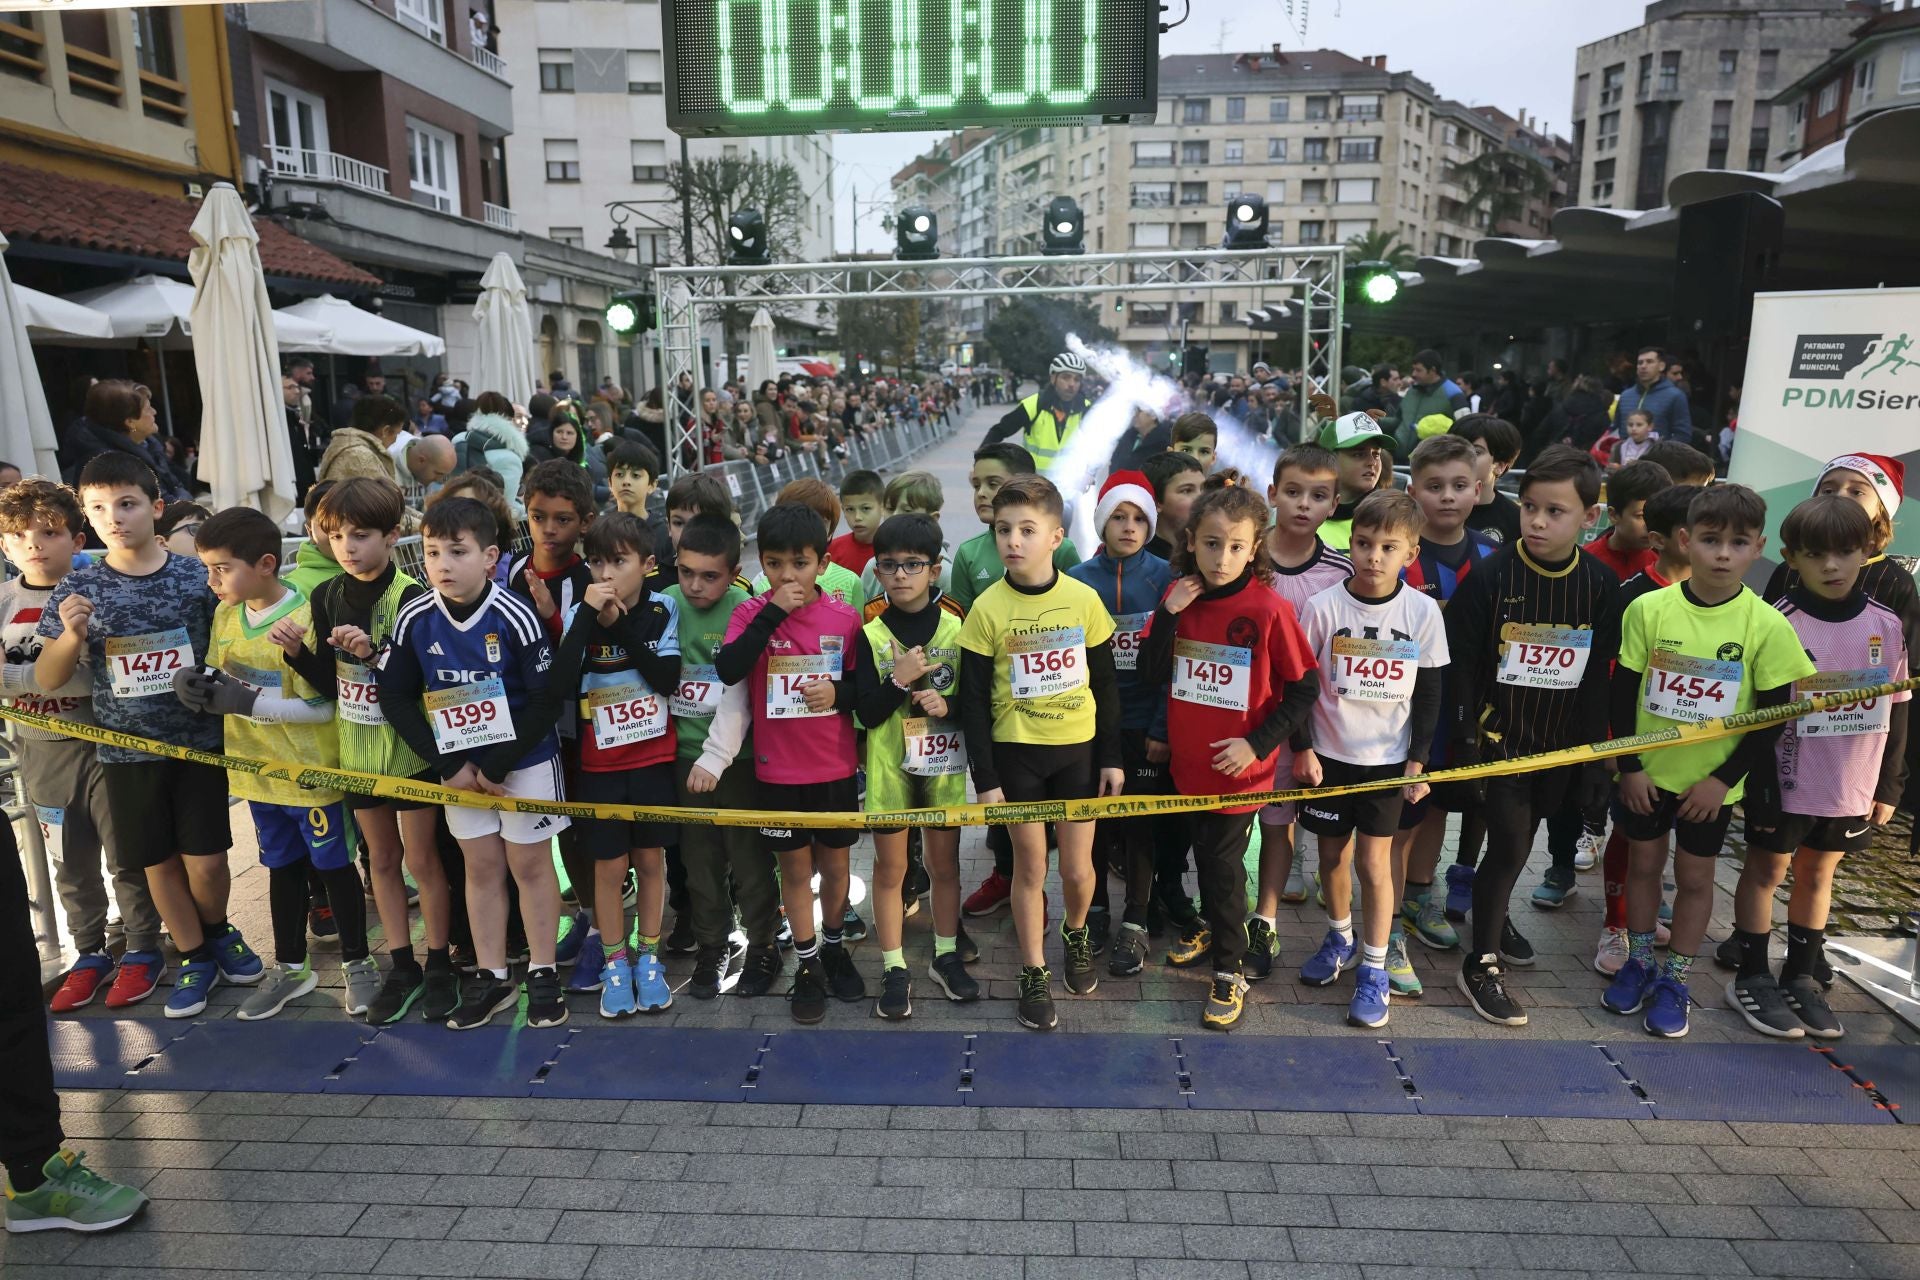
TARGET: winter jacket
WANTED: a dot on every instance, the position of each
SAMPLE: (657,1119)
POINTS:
(311,567)
(1388,402)
(1417,402)
(1131,589)
(87,439)
(1580,419)
(1672,417)
(355,454)
(493,441)
(1135,448)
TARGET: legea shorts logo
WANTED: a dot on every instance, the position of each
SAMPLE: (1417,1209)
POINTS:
(1836,356)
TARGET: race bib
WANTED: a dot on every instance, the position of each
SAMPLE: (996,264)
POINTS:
(934,747)
(1212,675)
(143,666)
(53,832)
(256,678)
(699,693)
(1047,662)
(470,715)
(1545,657)
(787,679)
(1126,640)
(1374,670)
(623,714)
(1695,689)
(1869,715)
(356,696)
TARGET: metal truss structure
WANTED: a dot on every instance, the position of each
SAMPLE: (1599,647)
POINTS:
(1309,277)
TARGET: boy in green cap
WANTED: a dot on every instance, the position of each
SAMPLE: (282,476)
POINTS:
(1362,448)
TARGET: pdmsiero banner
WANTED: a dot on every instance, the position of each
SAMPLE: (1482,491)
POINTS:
(1828,373)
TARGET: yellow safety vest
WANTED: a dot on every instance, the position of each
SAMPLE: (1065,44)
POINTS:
(1046,435)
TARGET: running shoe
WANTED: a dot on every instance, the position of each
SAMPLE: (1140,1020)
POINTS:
(650,989)
(807,1000)
(1099,928)
(896,995)
(1400,975)
(397,994)
(1335,956)
(616,989)
(1035,1009)
(1514,947)
(1129,952)
(1296,886)
(1368,1008)
(362,984)
(190,990)
(852,927)
(1459,892)
(1728,953)
(573,934)
(484,996)
(1485,986)
(82,983)
(681,942)
(1263,948)
(716,969)
(1612,953)
(783,935)
(588,961)
(439,992)
(629,891)
(238,964)
(140,973)
(992,894)
(1193,947)
(322,928)
(1550,896)
(1667,1008)
(1586,851)
(950,971)
(276,989)
(73,1198)
(964,944)
(1080,975)
(1226,1001)
(546,1003)
(1763,1004)
(1808,1000)
(759,972)
(836,962)
(1428,920)
(1628,992)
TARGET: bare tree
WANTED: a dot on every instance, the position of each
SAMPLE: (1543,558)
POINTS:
(713,190)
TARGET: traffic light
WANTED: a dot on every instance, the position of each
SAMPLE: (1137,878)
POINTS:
(632,312)
(1194,360)
(1373,282)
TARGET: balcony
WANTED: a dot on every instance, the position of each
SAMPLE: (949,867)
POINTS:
(490,62)
(499,216)
(329,166)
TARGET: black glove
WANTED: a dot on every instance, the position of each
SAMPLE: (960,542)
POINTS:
(214,692)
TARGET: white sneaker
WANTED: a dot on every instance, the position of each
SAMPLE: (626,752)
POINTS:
(1586,852)
(1612,956)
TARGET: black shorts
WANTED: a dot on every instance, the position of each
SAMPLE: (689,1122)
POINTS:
(1701,839)
(357,802)
(165,807)
(1442,797)
(605,839)
(1030,773)
(839,796)
(1371,813)
(1796,831)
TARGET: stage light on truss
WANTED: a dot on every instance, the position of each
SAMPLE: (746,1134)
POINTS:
(1065,228)
(916,234)
(747,238)
(1246,223)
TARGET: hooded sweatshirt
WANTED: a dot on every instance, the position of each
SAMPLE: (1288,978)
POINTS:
(1131,589)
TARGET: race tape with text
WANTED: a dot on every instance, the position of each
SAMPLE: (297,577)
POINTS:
(964,815)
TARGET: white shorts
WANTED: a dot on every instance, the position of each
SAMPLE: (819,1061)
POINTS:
(536,782)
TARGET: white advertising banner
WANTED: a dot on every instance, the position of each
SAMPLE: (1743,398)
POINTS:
(1828,373)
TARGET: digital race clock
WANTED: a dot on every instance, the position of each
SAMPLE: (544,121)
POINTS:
(744,67)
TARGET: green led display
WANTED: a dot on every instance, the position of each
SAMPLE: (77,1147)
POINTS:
(795,66)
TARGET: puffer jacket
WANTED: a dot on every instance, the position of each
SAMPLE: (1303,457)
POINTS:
(353,454)
(492,440)
(1130,586)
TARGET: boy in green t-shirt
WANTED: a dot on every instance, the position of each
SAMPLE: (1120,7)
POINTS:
(1695,651)
(976,564)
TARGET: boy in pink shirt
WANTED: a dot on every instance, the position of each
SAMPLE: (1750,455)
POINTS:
(794,646)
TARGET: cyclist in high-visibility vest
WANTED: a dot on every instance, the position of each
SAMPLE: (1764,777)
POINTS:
(1047,419)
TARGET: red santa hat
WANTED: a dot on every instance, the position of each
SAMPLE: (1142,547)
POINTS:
(1887,475)
(1125,486)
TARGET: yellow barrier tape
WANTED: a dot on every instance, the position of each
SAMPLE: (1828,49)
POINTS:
(965,815)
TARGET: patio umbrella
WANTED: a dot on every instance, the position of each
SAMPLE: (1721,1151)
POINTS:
(246,456)
(760,355)
(49,319)
(353,332)
(160,309)
(26,427)
(504,361)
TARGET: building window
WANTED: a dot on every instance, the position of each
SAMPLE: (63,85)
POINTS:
(1195,110)
(1152,235)
(1229,312)
(649,160)
(1149,154)
(1317,107)
(1195,152)
(1347,228)
(296,131)
(1152,195)
(432,167)
(1607,136)
(1148,313)
(1360,106)
(424,16)
(153,43)
(1235,152)
(1758,139)
(563,160)
(1862,79)
(643,71)
(1720,134)
(1359,150)
(1829,100)
(1670,71)
(1313,231)
(1277,191)
(574,236)
(1580,87)
(1231,191)
(1277,149)
(1236,109)
(556,71)
(1645,81)
(1278,108)
(1315,151)
(1769,67)
(1613,82)
(1193,235)
(1729,61)
(1354,191)
(1193,193)
(1603,182)
(1313,191)
(1910,69)
(1799,113)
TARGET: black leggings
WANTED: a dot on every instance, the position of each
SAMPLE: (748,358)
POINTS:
(1513,811)
(1220,862)
(287,901)
(29,1108)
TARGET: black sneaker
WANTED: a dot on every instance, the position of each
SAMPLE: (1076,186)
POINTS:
(1514,948)
(463,959)
(439,993)
(1728,953)
(842,978)
(918,883)
(759,972)
(1099,928)
(322,927)
(852,927)
(896,996)
(715,969)
(807,1000)
(1081,978)
(964,946)
(1036,1000)
(1262,947)
(950,971)
(1129,954)
(395,997)
(681,941)
(1486,990)
(1808,1000)
(1761,1002)
(546,1003)
(485,996)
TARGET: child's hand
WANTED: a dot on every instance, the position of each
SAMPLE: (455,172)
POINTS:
(1112,781)
(1235,756)
(819,694)
(788,598)
(605,598)
(910,665)
(1638,793)
(487,786)
(1415,792)
(931,702)
(1307,769)
(1881,815)
(542,598)
(353,640)
(468,779)
(1702,801)
(1184,593)
(700,782)
(1158,752)
(75,613)
(289,635)
(992,795)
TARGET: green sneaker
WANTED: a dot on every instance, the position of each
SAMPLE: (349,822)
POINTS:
(73,1198)
(1428,920)
(1401,978)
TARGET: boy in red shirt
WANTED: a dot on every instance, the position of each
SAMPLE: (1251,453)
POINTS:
(1625,548)
(861,495)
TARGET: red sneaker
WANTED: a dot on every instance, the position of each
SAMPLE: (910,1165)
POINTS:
(989,897)
(82,983)
(140,972)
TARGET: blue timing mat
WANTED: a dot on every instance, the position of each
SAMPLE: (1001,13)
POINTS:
(431,1061)
(1892,1070)
(1025,1069)
(1524,1078)
(97,1053)
(684,1065)
(1779,1082)
(281,1056)
(1293,1073)
(907,1069)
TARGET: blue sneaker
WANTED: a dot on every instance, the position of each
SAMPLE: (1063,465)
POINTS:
(650,983)
(1368,1008)
(587,964)
(1628,994)
(1667,1008)
(1334,958)
(1459,892)
(616,989)
(1550,896)
(567,950)
(238,964)
(197,978)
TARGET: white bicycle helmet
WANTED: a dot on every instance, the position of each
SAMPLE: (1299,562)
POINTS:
(1067,362)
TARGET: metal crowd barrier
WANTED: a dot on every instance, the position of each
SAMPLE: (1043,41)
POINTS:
(754,486)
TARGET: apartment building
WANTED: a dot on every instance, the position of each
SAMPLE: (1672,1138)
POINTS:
(1877,70)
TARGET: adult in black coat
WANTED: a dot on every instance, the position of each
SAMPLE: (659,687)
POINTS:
(1148,436)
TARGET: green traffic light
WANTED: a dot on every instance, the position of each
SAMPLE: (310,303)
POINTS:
(623,317)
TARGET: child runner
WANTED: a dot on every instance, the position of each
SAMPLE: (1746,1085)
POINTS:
(1363,450)
(1497,442)
(861,493)
(1176,479)
(1197,436)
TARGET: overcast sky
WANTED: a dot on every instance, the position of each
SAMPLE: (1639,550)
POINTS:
(1512,54)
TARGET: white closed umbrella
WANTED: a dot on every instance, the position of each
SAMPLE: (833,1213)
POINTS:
(353,332)
(26,427)
(504,361)
(49,318)
(761,359)
(246,456)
